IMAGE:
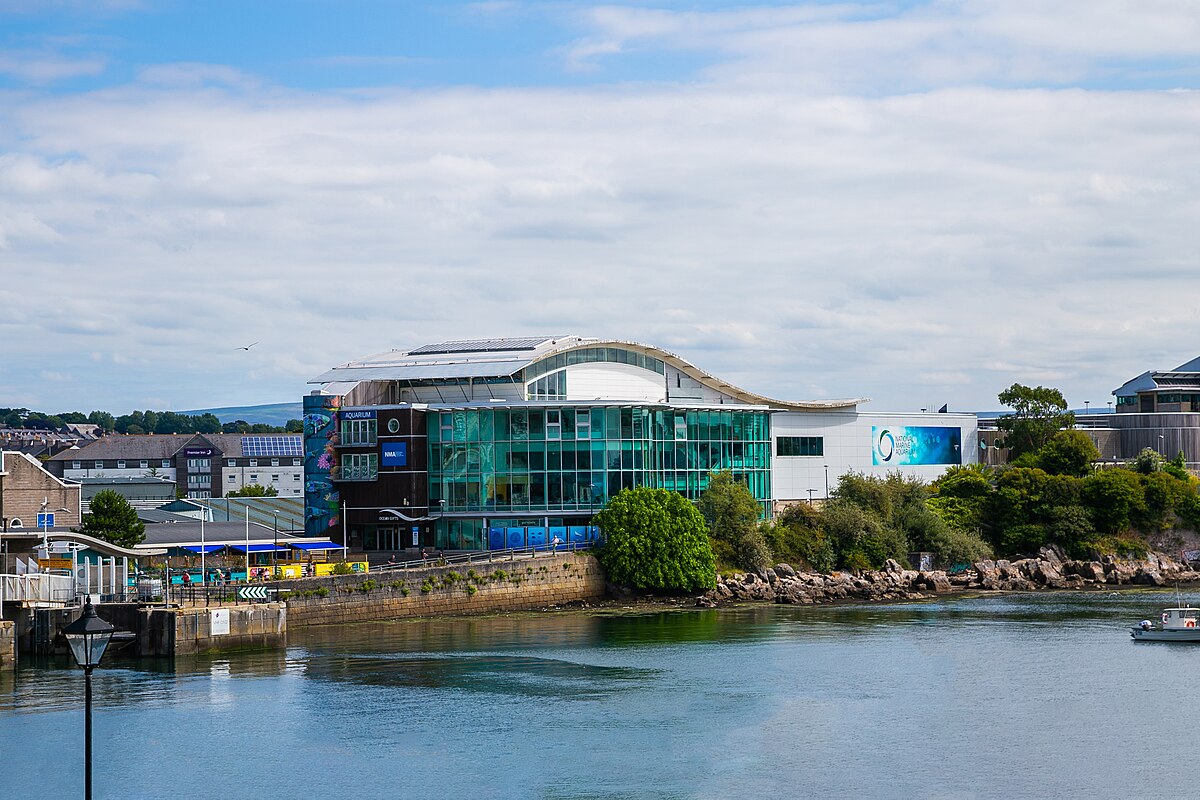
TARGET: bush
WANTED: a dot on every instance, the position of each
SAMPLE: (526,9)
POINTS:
(795,542)
(342,568)
(655,539)
(1113,497)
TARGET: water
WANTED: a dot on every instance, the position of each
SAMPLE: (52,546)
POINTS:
(997,697)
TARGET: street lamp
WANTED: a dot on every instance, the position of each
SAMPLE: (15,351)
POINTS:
(1162,445)
(810,491)
(88,637)
(826,481)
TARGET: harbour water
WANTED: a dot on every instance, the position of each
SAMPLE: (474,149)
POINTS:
(994,697)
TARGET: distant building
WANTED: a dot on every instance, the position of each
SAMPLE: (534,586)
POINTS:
(141,492)
(27,489)
(512,442)
(200,465)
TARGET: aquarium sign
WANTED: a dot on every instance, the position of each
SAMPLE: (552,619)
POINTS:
(395,454)
(901,446)
(356,415)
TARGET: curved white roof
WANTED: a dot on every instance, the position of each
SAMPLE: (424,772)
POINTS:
(504,358)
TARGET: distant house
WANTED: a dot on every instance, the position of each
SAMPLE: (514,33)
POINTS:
(27,489)
(199,465)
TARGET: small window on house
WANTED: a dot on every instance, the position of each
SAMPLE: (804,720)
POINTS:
(166,462)
(274,479)
(295,462)
(253,478)
(120,465)
(143,464)
(274,462)
(254,462)
(99,465)
(76,465)
(231,462)
(233,478)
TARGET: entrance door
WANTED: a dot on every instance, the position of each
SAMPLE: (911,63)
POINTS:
(387,539)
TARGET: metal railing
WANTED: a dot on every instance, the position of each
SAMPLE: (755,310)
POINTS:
(485,556)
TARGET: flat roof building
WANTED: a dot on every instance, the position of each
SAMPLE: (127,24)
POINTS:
(512,442)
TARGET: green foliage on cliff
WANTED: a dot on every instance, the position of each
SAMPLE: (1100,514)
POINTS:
(732,515)
(655,539)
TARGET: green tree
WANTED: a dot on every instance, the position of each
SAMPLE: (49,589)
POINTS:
(112,519)
(254,490)
(1177,467)
(732,516)
(1068,452)
(104,419)
(655,539)
(294,426)
(796,537)
(1112,497)
(1038,413)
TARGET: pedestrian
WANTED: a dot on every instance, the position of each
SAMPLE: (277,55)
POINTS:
(554,544)
(392,558)
(186,579)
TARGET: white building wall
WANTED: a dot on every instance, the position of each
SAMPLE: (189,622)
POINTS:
(605,381)
(287,480)
(848,447)
(166,473)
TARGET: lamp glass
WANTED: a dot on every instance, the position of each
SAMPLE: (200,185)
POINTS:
(88,637)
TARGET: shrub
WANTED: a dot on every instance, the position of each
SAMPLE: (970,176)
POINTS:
(368,585)
(471,589)
(342,568)
(655,539)
(404,592)
(426,587)
(322,591)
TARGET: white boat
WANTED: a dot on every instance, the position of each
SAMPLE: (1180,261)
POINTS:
(1178,625)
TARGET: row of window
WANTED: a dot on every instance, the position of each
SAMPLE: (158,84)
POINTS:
(461,459)
(253,478)
(591,355)
(193,464)
(548,387)
(799,446)
(555,424)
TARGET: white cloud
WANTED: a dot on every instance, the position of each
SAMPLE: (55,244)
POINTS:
(801,236)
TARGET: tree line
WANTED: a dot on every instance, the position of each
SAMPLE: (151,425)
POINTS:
(159,422)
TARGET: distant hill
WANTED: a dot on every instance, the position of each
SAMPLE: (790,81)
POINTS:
(268,413)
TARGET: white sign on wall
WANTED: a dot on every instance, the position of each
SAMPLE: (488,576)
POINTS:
(218,622)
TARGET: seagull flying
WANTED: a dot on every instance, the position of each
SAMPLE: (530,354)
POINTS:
(247,347)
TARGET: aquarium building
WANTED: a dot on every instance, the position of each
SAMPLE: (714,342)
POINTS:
(512,442)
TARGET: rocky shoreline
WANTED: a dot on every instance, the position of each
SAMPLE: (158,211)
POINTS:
(1049,570)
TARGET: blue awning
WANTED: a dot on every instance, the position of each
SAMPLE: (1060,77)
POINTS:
(207,548)
(325,545)
(259,548)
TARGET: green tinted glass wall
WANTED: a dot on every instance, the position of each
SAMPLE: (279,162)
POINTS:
(570,459)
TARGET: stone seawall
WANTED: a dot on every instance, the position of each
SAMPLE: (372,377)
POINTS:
(1049,570)
(8,644)
(459,589)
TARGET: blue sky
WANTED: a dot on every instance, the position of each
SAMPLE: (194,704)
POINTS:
(916,202)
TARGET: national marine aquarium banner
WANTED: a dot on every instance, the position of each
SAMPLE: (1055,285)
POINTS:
(321,499)
(916,446)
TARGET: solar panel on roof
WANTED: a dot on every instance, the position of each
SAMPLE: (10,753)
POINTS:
(272,446)
(481,346)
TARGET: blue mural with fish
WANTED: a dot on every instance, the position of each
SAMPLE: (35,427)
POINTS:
(322,502)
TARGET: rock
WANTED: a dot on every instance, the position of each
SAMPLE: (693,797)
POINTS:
(785,570)
(891,565)
(772,578)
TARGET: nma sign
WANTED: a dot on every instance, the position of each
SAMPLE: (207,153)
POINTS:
(915,446)
(395,454)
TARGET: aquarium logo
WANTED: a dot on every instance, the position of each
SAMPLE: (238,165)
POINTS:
(885,446)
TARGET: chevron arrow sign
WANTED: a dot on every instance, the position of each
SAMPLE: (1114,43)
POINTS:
(252,592)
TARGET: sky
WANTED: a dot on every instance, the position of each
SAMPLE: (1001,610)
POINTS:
(913,202)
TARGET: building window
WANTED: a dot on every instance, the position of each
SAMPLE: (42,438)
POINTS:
(254,462)
(583,424)
(361,432)
(553,424)
(274,479)
(274,462)
(166,462)
(231,462)
(199,464)
(253,478)
(76,465)
(198,480)
(143,464)
(393,425)
(296,462)
(800,446)
(296,477)
(359,466)
(120,465)
(99,465)
(233,478)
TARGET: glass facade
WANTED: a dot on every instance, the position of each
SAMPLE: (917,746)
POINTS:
(503,462)
(800,446)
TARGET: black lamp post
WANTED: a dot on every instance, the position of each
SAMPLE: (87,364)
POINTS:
(88,637)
